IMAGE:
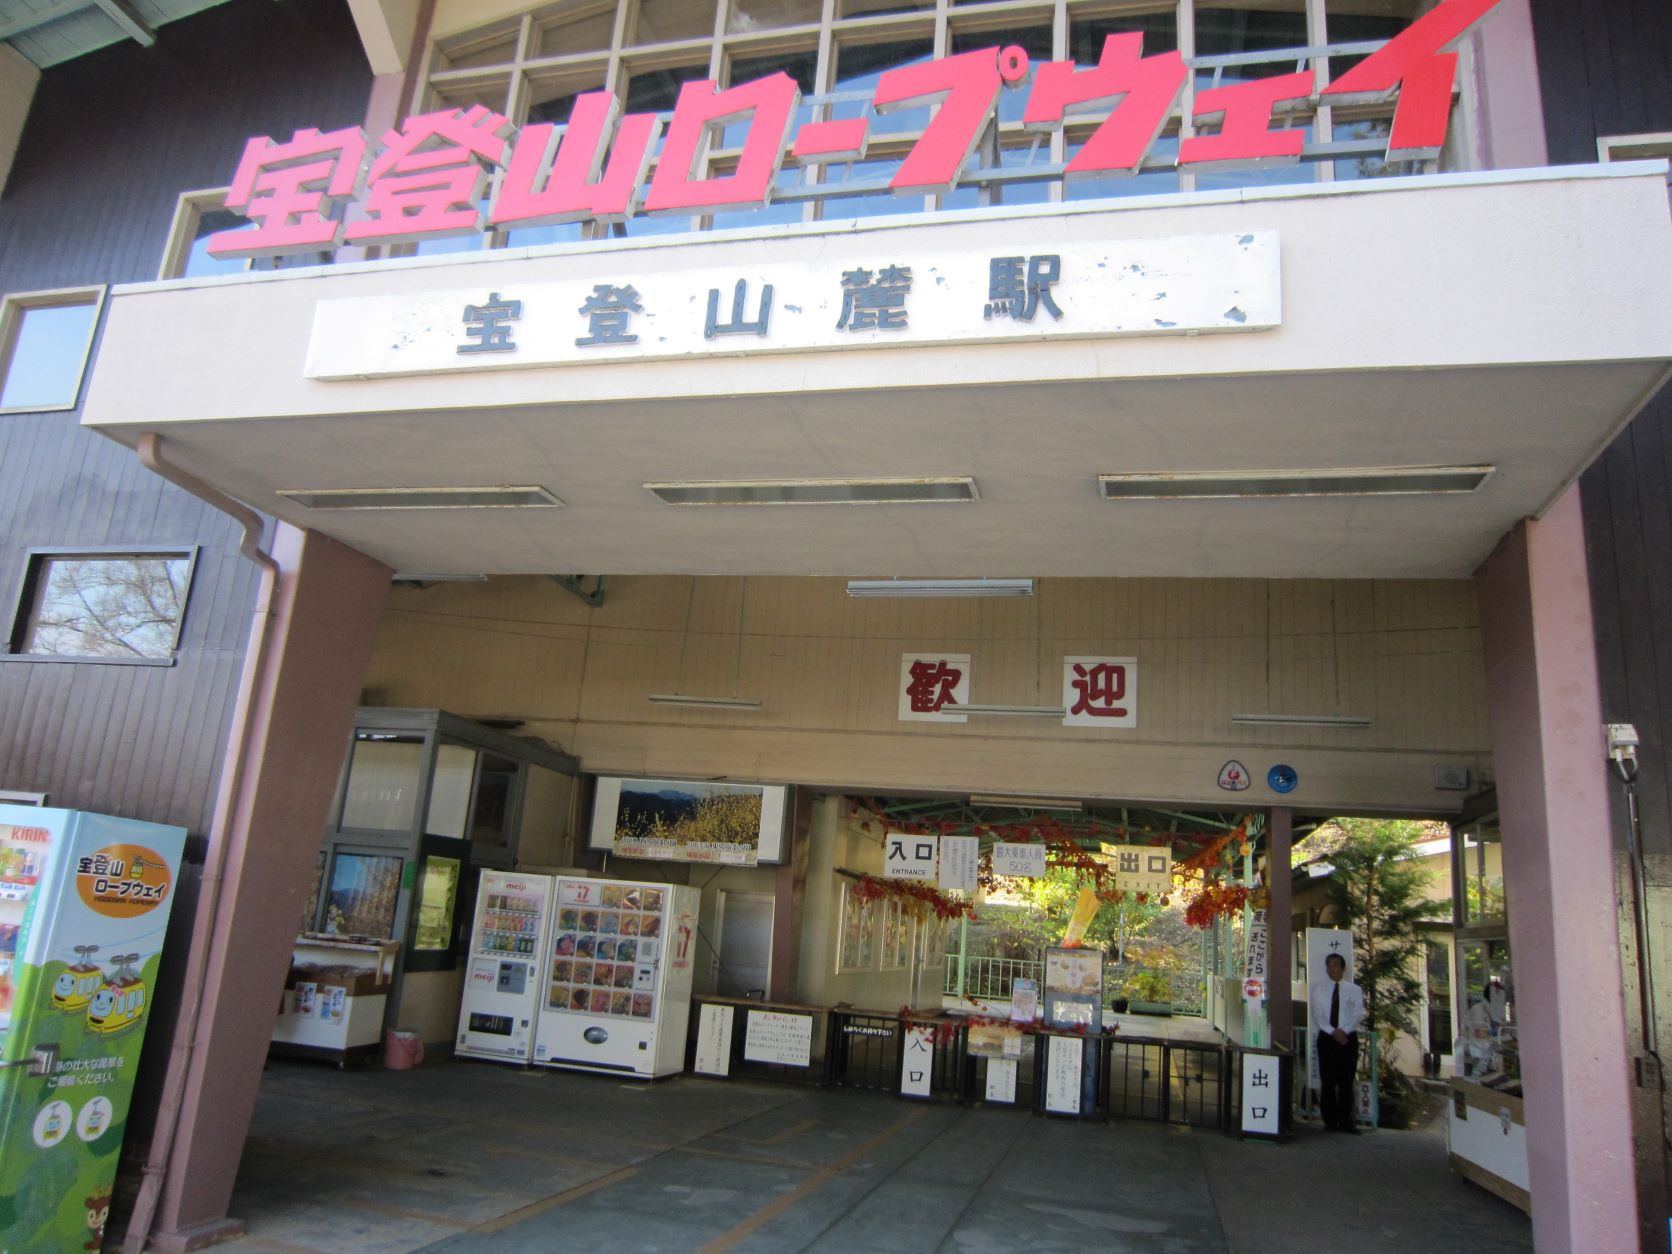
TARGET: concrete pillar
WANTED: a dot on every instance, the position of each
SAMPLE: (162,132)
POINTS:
(1280,827)
(326,610)
(789,893)
(1552,777)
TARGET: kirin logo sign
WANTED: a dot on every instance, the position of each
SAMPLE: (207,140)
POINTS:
(428,178)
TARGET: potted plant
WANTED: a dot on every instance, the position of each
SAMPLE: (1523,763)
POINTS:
(1151,994)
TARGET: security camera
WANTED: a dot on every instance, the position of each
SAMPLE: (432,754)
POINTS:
(1622,750)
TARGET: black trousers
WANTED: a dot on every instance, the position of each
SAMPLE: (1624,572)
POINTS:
(1337,1069)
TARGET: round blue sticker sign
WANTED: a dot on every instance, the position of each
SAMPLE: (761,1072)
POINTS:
(1282,778)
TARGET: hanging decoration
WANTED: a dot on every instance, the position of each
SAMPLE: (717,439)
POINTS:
(917,896)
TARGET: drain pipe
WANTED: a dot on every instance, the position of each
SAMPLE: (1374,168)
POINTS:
(214,861)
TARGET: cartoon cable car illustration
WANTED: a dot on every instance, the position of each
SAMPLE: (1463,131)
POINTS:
(121,1002)
(77,983)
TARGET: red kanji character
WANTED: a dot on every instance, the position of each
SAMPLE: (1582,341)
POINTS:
(291,191)
(431,174)
(1245,136)
(1098,688)
(1413,62)
(966,87)
(1141,90)
(931,686)
(554,176)
(769,103)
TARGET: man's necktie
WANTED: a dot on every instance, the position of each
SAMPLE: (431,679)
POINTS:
(1335,1007)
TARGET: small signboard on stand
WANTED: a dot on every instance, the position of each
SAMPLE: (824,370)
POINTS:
(1261,1094)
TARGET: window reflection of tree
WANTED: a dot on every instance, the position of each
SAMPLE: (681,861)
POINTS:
(123,607)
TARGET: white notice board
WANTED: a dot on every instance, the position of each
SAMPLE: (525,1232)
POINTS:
(714,1027)
(1062,1075)
(771,1036)
(1001,1080)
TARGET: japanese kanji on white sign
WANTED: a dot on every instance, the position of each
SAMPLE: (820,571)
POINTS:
(771,1036)
(1142,868)
(960,863)
(1259,1095)
(933,685)
(908,857)
(1019,860)
(860,292)
(1100,692)
(917,1062)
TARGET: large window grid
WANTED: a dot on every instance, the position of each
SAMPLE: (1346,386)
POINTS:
(533,67)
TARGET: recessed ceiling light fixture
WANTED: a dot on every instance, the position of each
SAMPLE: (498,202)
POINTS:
(500,497)
(1300,720)
(1373,481)
(705,703)
(1011,711)
(1026,803)
(940,588)
(818,492)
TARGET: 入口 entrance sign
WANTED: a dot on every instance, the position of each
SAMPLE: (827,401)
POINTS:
(428,179)
(909,857)
(855,294)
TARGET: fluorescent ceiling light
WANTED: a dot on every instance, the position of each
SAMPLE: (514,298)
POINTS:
(1026,803)
(817,491)
(940,587)
(1300,720)
(423,498)
(1375,481)
(706,703)
(1012,711)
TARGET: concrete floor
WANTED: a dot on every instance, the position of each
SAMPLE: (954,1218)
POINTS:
(474,1157)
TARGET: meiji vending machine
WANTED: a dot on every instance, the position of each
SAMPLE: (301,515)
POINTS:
(617,995)
(502,975)
(84,904)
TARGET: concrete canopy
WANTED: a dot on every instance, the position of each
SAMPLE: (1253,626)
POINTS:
(1513,320)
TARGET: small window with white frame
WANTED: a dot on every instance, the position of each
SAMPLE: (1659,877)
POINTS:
(108,605)
(856,944)
(201,214)
(47,338)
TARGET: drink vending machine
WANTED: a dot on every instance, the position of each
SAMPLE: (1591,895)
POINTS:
(84,904)
(617,993)
(502,976)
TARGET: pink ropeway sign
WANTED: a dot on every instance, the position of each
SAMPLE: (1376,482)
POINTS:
(428,178)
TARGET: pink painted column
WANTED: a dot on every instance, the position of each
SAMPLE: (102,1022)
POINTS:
(1548,752)
(326,610)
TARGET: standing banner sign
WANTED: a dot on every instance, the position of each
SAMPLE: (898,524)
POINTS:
(84,904)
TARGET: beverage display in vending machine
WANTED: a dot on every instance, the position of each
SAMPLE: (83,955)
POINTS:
(84,905)
(502,976)
(617,993)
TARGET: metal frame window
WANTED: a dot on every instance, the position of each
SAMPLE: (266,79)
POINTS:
(35,327)
(530,67)
(132,620)
(856,933)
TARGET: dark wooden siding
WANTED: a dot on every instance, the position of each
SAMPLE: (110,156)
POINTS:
(111,140)
(1605,68)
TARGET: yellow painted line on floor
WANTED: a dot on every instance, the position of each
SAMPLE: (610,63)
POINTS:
(806,1125)
(812,1184)
(402,1212)
(555,1200)
(758,1160)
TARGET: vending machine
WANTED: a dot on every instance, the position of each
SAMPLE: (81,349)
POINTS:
(84,904)
(617,993)
(502,976)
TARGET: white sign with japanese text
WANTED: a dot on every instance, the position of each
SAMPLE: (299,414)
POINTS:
(862,291)
(1001,1080)
(960,863)
(1019,861)
(1259,1095)
(1062,1075)
(932,685)
(714,1030)
(908,857)
(1100,692)
(770,1036)
(1142,868)
(917,1062)
(1254,964)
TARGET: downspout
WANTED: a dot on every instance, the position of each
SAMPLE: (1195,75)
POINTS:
(214,862)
